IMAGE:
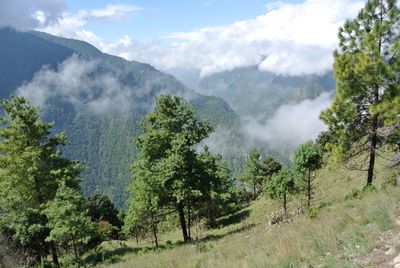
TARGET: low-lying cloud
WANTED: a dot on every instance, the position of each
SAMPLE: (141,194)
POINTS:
(292,124)
(79,83)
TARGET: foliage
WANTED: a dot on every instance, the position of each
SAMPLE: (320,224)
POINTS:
(308,158)
(102,209)
(258,170)
(216,187)
(366,71)
(68,220)
(31,169)
(281,185)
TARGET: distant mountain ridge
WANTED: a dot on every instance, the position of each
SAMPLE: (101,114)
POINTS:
(255,93)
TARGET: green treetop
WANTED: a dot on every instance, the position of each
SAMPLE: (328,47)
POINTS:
(31,169)
(281,185)
(307,158)
(168,154)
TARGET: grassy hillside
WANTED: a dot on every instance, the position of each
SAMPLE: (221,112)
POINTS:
(346,228)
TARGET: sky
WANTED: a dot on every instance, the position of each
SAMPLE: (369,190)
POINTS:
(292,37)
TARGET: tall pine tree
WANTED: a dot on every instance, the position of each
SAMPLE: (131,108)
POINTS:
(367,77)
(31,169)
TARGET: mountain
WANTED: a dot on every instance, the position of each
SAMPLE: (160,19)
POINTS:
(98,99)
(255,93)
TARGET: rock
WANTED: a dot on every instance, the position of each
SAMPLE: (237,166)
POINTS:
(397,265)
(390,251)
(397,260)
(398,221)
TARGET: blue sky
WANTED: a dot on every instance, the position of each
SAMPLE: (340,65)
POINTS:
(158,17)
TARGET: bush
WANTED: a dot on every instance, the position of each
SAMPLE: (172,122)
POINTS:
(312,212)
(107,231)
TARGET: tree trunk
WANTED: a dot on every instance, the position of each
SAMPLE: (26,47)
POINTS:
(136,236)
(254,191)
(183,222)
(154,227)
(284,202)
(189,223)
(309,188)
(211,219)
(372,154)
(76,252)
(54,255)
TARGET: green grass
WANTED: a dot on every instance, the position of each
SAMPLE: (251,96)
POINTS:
(342,227)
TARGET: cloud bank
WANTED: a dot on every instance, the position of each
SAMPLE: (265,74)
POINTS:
(289,39)
(79,83)
(291,125)
(71,25)
(26,15)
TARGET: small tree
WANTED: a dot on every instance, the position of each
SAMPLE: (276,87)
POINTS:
(215,185)
(70,225)
(142,215)
(102,209)
(281,185)
(269,167)
(308,158)
(252,174)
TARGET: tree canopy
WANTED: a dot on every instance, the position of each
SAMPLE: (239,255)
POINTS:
(367,82)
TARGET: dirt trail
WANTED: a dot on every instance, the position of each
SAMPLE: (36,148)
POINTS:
(386,252)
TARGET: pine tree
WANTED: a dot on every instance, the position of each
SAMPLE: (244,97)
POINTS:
(168,154)
(215,186)
(281,185)
(307,158)
(31,169)
(367,80)
(252,174)
(68,219)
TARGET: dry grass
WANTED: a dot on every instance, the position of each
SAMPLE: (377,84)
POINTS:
(343,228)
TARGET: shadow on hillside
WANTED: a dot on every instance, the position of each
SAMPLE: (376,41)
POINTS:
(233,218)
(213,237)
(108,256)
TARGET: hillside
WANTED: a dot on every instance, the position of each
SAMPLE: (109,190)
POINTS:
(346,228)
(255,93)
(97,99)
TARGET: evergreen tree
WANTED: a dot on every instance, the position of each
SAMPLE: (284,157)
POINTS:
(281,185)
(102,209)
(252,174)
(143,211)
(31,168)
(68,220)
(367,81)
(269,167)
(168,154)
(216,186)
(307,158)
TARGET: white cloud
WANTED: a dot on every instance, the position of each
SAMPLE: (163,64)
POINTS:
(291,125)
(114,12)
(290,39)
(71,25)
(28,14)
(77,82)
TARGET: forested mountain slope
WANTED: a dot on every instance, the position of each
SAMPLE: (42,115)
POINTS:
(256,93)
(98,99)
